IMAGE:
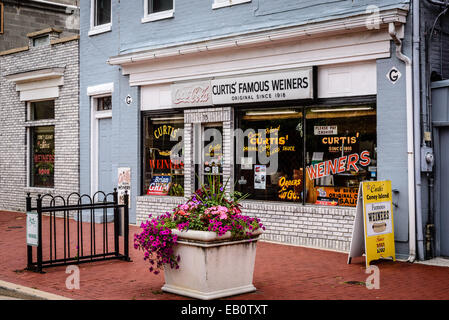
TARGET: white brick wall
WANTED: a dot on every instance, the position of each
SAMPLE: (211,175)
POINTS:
(13,148)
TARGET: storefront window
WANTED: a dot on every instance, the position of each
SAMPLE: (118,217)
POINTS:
(42,156)
(163,162)
(317,159)
(340,153)
(269,155)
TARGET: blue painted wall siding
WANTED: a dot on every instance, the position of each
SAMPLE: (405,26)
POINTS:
(194,20)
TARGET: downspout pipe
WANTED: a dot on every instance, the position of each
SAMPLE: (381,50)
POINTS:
(417,125)
(438,3)
(410,141)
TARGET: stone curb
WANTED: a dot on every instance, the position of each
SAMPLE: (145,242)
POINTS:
(30,291)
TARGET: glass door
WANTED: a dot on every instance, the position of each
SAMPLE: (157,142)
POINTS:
(211,167)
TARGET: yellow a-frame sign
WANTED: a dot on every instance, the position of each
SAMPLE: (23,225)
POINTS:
(373,232)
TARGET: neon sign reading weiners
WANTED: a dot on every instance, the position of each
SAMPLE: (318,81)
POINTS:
(338,165)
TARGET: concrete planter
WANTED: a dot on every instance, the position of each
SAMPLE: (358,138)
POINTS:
(212,267)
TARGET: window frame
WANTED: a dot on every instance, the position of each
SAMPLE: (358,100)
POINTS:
(150,17)
(227,3)
(98,29)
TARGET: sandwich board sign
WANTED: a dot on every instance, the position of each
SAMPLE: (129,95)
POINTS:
(373,232)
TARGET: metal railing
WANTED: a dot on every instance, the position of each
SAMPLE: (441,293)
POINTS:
(83,247)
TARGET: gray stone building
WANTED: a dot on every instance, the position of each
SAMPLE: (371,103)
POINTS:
(20,17)
(39,135)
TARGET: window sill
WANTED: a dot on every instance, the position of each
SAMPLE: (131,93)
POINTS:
(100,29)
(229,3)
(158,16)
(38,123)
(41,190)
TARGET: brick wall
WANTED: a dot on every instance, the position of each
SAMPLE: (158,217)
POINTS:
(13,148)
(23,17)
(312,226)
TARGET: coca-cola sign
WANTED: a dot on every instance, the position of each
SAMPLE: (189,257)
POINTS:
(192,94)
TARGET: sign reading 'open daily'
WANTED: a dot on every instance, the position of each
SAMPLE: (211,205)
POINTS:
(279,86)
(373,232)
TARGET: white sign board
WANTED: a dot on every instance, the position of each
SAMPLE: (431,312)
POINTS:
(260,177)
(292,85)
(325,130)
(32,230)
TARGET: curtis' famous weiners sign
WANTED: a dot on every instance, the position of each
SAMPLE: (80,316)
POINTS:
(264,87)
(279,86)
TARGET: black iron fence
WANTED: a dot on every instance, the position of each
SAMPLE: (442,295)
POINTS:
(98,224)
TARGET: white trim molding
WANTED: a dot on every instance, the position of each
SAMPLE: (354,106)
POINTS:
(94,30)
(351,47)
(150,17)
(38,85)
(96,116)
(101,89)
(227,3)
(293,33)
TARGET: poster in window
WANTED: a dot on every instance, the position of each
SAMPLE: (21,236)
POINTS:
(159,185)
(246,163)
(260,177)
(124,184)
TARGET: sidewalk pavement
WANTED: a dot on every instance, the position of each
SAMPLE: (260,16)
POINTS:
(282,272)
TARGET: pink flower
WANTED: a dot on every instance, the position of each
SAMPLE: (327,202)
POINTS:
(222,209)
(236,210)
(223,215)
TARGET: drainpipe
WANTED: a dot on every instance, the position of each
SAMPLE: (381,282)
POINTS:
(417,126)
(410,138)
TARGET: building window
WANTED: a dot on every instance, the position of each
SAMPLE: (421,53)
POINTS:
(227,3)
(340,153)
(41,110)
(157,10)
(42,156)
(104,103)
(101,13)
(41,41)
(1,17)
(270,155)
(163,159)
(315,155)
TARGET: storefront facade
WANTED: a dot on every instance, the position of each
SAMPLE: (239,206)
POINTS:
(295,117)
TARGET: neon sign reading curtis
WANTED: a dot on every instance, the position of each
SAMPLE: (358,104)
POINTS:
(338,165)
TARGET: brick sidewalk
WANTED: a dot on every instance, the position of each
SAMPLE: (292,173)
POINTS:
(281,272)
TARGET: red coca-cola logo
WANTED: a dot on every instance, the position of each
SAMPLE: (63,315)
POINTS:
(192,95)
